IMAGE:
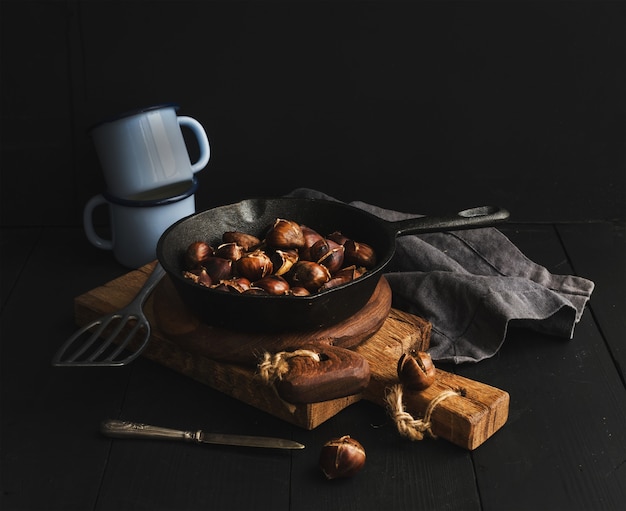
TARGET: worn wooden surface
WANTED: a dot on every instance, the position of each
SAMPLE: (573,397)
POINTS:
(227,361)
(339,372)
(563,446)
(316,390)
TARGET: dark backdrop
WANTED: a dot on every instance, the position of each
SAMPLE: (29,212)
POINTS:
(418,106)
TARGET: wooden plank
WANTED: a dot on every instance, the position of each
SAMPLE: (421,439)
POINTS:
(467,419)
(597,251)
(237,381)
(564,438)
(401,331)
(15,246)
(50,456)
(398,475)
(463,411)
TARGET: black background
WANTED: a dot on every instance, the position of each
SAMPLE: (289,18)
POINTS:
(419,106)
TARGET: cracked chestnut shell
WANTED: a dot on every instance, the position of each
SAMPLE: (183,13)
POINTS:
(273,285)
(310,236)
(309,275)
(199,276)
(230,250)
(283,260)
(218,268)
(247,241)
(341,457)
(196,254)
(416,371)
(285,234)
(254,265)
(359,254)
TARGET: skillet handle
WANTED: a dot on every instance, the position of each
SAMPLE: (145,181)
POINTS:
(482,216)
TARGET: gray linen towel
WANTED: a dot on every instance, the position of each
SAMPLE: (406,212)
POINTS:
(471,285)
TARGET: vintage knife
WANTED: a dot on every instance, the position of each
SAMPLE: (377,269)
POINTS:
(125,429)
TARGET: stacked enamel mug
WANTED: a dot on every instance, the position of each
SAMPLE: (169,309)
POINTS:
(150,179)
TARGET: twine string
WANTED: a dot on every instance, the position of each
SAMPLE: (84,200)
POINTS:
(274,366)
(408,426)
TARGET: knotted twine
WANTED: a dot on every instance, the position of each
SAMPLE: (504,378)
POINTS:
(409,427)
(274,366)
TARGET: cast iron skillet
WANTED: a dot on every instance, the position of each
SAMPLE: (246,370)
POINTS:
(296,313)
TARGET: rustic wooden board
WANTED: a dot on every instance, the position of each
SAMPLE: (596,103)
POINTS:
(399,332)
(174,320)
(467,419)
(339,371)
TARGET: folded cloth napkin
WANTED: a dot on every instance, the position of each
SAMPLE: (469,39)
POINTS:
(471,285)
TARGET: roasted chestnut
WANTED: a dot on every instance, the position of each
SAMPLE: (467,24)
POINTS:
(285,234)
(255,291)
(199,276)
(283,260)
(273,284)
(235,284)
(225,288)
(338,237)
(309,275)
(416,371)
(318,250)
(310,236)
(254,265)
(299,291)
(247,241)
(335,281)
(341,457)
(218,268)
(333,259)
(196,253)
(351,272)
(359,254)
(230,250)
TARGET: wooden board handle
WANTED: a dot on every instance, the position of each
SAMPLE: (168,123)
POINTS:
(463,411)
(335,372)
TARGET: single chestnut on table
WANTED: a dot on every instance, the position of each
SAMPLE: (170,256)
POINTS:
(341,457)
(416,371)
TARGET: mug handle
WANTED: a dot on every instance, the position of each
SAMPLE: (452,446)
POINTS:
(97,241)
(203,141)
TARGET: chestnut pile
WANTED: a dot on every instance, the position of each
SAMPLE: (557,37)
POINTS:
(292,259)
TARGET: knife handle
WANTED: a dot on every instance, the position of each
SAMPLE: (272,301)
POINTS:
(125,429)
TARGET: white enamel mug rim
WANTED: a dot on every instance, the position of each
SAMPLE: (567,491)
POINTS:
(150,203)
(131,113)
(179,202)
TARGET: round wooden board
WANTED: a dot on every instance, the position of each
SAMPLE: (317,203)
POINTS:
(182,327)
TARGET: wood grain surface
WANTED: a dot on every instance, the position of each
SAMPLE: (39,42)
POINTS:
(358,361)
(567,406)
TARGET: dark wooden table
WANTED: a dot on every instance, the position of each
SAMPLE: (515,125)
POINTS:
(563,447)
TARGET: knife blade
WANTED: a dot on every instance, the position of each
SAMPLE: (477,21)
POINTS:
(127,429)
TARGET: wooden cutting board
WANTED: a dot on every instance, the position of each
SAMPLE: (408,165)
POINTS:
(227,361)
(336,371)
